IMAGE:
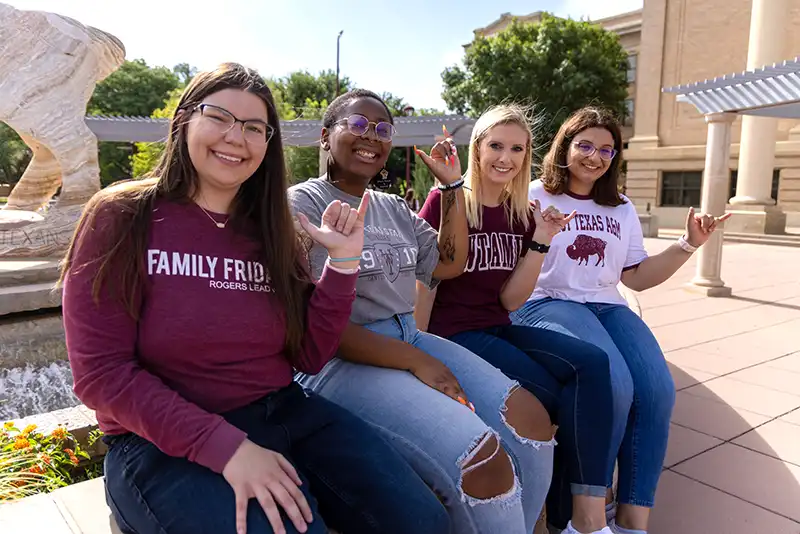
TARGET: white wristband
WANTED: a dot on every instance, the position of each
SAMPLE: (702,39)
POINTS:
(685,245)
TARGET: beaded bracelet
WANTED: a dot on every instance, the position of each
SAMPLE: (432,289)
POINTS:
(455,185)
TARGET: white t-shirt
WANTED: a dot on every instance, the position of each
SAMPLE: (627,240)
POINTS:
(586,260)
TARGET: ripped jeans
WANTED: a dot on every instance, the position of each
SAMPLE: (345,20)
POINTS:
(437,435)
(572,379)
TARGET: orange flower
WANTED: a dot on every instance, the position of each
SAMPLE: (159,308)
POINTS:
(59,433)
(8,424)
(72,457)
(46,458)
(28,429)
(21,443)
(37,470)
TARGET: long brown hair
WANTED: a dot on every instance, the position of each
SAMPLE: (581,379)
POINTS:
(555,173)
(261,205)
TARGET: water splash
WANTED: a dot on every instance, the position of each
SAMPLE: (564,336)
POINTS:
(32,390)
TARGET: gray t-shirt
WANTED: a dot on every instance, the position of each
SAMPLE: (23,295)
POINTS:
(399,248)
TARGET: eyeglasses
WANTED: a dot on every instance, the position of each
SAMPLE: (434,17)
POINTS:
(358,125)
(588,149)
(254,131)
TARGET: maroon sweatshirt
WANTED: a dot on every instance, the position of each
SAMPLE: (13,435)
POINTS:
(210,336)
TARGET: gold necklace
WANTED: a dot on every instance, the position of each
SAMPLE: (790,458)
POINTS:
(219,224)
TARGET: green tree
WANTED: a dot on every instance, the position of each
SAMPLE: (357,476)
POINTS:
(301,85)
(559,65)
(147,155)
(14,155)
(422,177)
(185,73)
(395,104)
(427,112)
(134,90)
(302,162)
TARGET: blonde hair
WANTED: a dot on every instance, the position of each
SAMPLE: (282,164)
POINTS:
(518,207)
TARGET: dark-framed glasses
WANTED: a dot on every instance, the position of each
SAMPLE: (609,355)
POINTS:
(587,149)
(254,131)
(358,125)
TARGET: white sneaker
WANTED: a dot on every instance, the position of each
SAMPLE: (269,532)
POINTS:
(615,530)
(571,530)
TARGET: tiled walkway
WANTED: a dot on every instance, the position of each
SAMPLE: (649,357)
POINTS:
(733,464)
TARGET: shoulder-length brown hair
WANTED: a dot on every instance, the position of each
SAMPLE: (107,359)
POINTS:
(555,173)
(261,206)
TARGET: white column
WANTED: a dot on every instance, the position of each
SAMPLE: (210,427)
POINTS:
(716,178)
(768,23)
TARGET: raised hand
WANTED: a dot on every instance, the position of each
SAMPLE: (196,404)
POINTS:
(341,230)
(700,227)
(257,473)
(443,160)
(548,222)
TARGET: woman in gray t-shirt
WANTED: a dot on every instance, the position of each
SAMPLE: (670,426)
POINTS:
(489,453)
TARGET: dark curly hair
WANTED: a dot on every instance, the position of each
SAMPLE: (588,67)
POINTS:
(335,108)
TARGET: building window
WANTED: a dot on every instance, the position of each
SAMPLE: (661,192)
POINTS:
(681,188)
(631,72)
(776,178)
(629,110)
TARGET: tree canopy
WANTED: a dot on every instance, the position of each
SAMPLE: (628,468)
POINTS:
(558,65)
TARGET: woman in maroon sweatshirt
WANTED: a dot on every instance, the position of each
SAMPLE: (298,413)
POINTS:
(187,304)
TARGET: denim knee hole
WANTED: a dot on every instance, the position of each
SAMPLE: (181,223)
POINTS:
(535,443)
(507,499)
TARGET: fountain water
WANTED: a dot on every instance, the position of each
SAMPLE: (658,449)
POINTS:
(34,374)
(35,389)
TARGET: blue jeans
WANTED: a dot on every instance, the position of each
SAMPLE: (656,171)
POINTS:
(351,476)
(643,387)
(571,378)
(436,434)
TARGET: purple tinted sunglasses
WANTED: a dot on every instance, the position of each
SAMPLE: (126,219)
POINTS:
(358,125)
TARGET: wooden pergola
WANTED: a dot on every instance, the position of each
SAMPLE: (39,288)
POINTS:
(420,131)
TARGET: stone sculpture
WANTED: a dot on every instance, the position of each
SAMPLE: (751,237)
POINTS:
(49,67)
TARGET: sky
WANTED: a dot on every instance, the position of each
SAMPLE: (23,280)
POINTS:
(399,47)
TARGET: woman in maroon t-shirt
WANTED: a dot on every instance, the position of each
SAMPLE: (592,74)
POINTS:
(187,304)
(508,238)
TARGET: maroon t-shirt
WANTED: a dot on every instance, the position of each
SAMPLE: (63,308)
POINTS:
(210,336)
(471,301)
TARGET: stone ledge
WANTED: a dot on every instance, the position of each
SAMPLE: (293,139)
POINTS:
(29,297)
(649,223)
(78,420)
(77,509)
(15,272)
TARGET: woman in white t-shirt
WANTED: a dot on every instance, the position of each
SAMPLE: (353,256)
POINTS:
(576,294)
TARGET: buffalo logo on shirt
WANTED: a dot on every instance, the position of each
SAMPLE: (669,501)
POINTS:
(586,246)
